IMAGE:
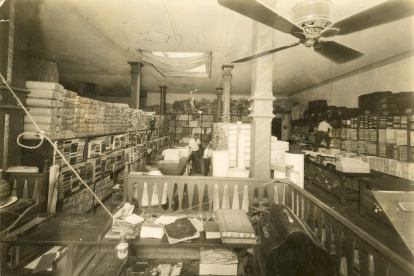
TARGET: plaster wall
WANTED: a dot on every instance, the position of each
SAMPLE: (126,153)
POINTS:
(395,77)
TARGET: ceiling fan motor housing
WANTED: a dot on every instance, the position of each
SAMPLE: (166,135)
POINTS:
(313,16)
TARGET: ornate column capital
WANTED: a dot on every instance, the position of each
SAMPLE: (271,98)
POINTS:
(227,70)
(219,91)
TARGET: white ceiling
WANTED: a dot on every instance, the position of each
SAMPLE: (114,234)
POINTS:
(93,40)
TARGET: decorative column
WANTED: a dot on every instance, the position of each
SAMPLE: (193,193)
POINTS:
(261,104)
(219,103)
(143,99)
(163,96)
(135,83)
(226,92)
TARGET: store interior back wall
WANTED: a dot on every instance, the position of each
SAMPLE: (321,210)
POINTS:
(395,77)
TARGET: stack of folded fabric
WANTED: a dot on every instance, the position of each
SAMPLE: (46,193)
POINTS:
(172,154)
(67,114)
(401,137)
(100,118)
(390,136)
(278,149)
(44,101)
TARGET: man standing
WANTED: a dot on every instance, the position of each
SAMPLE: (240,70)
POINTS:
(194,146)
(208,154)
(323,133)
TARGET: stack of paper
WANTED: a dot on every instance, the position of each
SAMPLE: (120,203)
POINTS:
(152,230)
(218,262)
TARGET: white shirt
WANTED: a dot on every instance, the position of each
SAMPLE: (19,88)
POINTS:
(324,126)
(208,153)
(193,145)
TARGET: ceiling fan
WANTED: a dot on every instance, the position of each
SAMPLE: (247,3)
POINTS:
(311,21)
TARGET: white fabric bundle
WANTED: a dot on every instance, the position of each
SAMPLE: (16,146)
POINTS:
(43,102)
(43,120)
(47,128)
(45,94)
(171,154)
(43,85)
(69,94)
(37,111)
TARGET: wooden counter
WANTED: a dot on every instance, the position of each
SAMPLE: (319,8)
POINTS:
(176,168)
(341,184)
(368,205)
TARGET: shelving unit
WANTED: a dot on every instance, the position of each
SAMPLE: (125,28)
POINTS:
(183,125)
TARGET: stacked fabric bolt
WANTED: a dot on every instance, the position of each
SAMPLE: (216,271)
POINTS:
(354,134)
(401,137)
(370,148)
(348,145)
(390,136)
(109,120)
(278,149)
(80,126)
(373,135)
(366,134)
(354,146)
(67,114)
(98,146)
(361,134)
(99,118)
(389,166)
(45,99)
(382,149)
(361,147)
(382,135)
(349,133)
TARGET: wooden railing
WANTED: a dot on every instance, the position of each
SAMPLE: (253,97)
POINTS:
(351,248)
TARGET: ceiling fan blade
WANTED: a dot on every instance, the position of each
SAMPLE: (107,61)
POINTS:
(263,14)
(271,51)
(382,13)
(336,52)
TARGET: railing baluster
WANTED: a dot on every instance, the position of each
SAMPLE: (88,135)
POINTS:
(216,198)
(349,252)
(276,194)
(195,202)
(236,201)
(288,197)
(306,210)
(246,202)
(225,204)
(328,233)
(364,258)
(312,216)
(206,198)
(381,265)
(25,194)
(338,229)
(319,221)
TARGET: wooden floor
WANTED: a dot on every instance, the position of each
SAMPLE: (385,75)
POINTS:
(384,233)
